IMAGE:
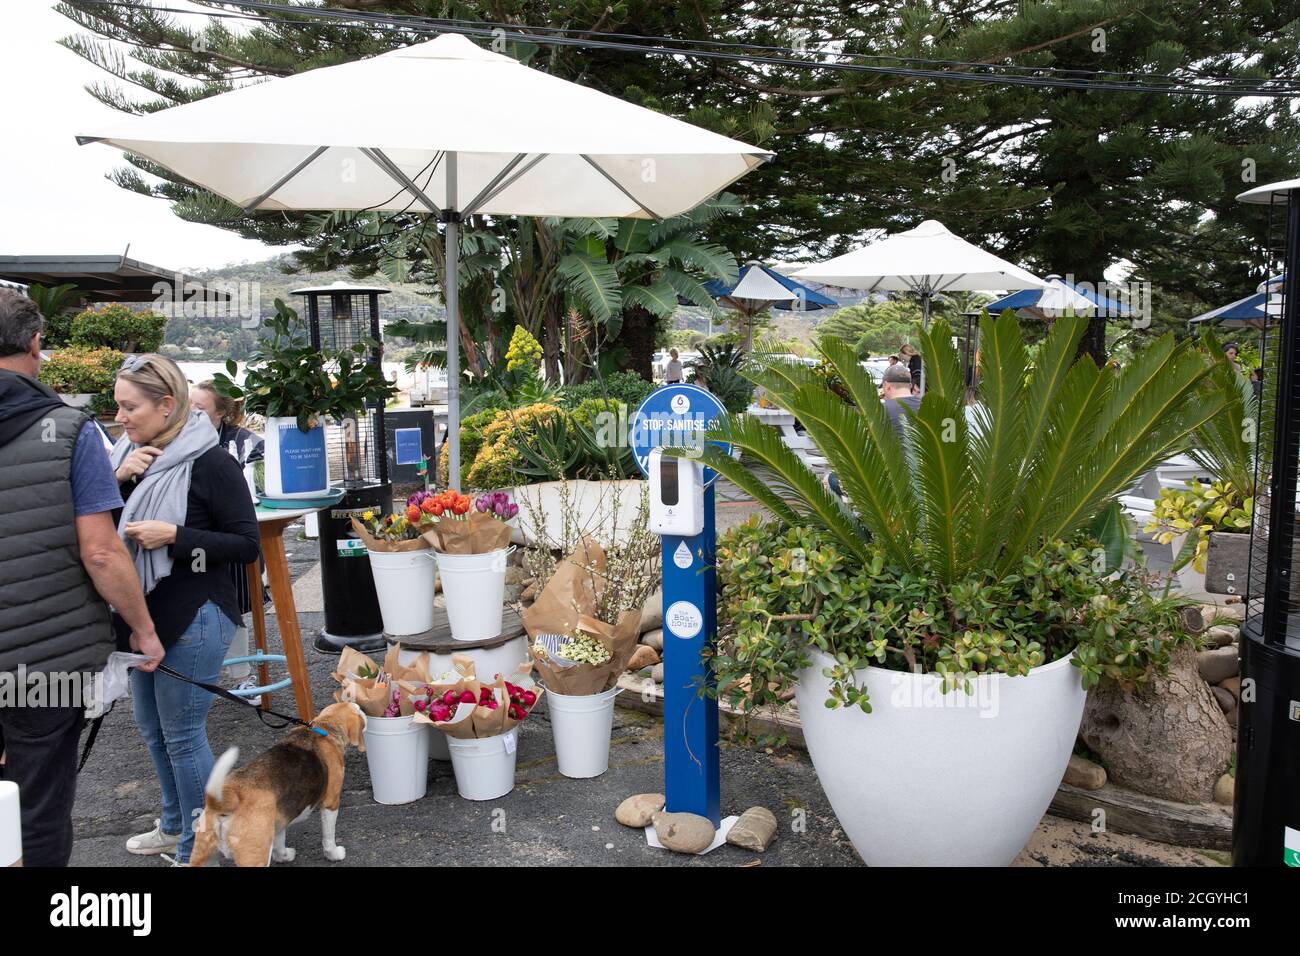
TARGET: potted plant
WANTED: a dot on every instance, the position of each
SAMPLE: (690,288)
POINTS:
(296,388)
(83,376)
(1208,525)
(961,532)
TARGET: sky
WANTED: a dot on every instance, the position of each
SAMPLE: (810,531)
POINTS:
(53,193)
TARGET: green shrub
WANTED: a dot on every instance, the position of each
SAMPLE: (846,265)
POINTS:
(626,387)
(117,327)
(79,371)
(786,589)
(471,440)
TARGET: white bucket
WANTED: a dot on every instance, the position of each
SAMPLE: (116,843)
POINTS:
(404,586)
(582,725)
(438,749)
(484,766)
(474,589)
(397,751)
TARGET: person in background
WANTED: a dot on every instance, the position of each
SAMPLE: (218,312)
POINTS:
(893,360)
(913,359)
(187,519)
(246,447)
(60,562)
(896,390)
(673,370)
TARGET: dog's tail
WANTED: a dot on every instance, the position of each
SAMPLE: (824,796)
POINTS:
(217,779)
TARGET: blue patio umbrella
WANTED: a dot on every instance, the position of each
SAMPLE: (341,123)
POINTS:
(758,288)
(1059,296)
(1247,313)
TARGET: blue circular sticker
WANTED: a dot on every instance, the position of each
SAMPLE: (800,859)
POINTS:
(674,416)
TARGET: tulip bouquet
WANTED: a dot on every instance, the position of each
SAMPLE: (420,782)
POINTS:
(389,532)
(454,525)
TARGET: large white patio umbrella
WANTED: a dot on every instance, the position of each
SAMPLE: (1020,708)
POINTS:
(443,128)
(927,260)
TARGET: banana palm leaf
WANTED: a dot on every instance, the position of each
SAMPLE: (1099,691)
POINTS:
(659,299)
(592,282)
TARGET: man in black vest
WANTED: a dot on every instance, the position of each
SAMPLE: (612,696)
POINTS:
(60,561)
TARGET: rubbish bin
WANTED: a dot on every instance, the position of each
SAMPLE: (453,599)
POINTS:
(352,617)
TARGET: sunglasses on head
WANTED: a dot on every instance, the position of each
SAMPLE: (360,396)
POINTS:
(134,363)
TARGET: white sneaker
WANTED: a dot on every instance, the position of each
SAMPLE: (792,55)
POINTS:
(248,683)
(153,842)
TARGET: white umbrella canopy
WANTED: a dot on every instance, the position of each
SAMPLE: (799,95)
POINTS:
(444,128)
(926,260)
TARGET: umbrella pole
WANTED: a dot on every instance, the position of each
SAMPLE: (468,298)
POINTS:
(925,327)
(452,301)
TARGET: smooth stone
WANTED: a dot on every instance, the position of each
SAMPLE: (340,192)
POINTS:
(654,639)
(515,575)
(639,811)
(1083,773)
(1225,789)
(755,829)
(1224,697)
(1233,686)
(1221,635)
(529,593)
(1217,665)
(657,674)
(652,614)
(684,832)
(643,657)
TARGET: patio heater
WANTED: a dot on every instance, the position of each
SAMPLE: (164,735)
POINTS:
(1266,811)
(339,316)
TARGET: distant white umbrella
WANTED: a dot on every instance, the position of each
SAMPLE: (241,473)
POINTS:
(927,261)
(443,128)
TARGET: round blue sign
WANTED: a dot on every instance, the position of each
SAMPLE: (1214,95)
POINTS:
(674,416)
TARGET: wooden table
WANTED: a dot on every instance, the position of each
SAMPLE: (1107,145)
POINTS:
(271,523)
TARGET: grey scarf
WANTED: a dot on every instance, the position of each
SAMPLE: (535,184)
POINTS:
(162,493)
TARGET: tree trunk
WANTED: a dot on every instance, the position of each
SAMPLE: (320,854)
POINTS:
(1169,740)
(638,336)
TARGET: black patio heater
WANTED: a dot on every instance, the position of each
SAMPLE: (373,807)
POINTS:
(339,316)
(1266,810)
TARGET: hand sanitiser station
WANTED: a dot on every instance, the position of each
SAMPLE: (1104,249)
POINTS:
(681,512)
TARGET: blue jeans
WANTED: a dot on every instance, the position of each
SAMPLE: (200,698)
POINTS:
(172,716)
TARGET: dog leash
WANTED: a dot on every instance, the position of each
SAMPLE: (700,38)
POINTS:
(211,689)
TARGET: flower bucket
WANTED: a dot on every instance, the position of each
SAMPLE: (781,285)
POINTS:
(397,751)
(296,465)
(484,766)
(474,588)
(582,726)
(438,749)
(404,586)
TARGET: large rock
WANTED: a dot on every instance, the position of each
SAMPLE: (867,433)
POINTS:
(755,829)
(639,811)
(1218,664)
(1168,740)
(684,832)
(1233,686)
(654,639)
(1084,774)
(657,673)
(652,614)
(642,657)
(1224,697)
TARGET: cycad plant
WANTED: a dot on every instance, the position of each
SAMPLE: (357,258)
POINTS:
(1053,444)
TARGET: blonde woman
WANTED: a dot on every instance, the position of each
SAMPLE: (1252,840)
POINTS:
(184,530)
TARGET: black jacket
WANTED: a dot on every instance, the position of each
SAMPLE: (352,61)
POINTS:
(219,533)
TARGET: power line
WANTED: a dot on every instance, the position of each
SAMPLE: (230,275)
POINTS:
(1057,78)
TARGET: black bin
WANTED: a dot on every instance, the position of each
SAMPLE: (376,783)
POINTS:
(352,615)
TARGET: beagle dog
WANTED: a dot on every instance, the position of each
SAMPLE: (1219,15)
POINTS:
(246,811)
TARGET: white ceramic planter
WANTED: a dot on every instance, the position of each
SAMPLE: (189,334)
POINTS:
(606,509)
(928,779)
(296,463)
(1188,578)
